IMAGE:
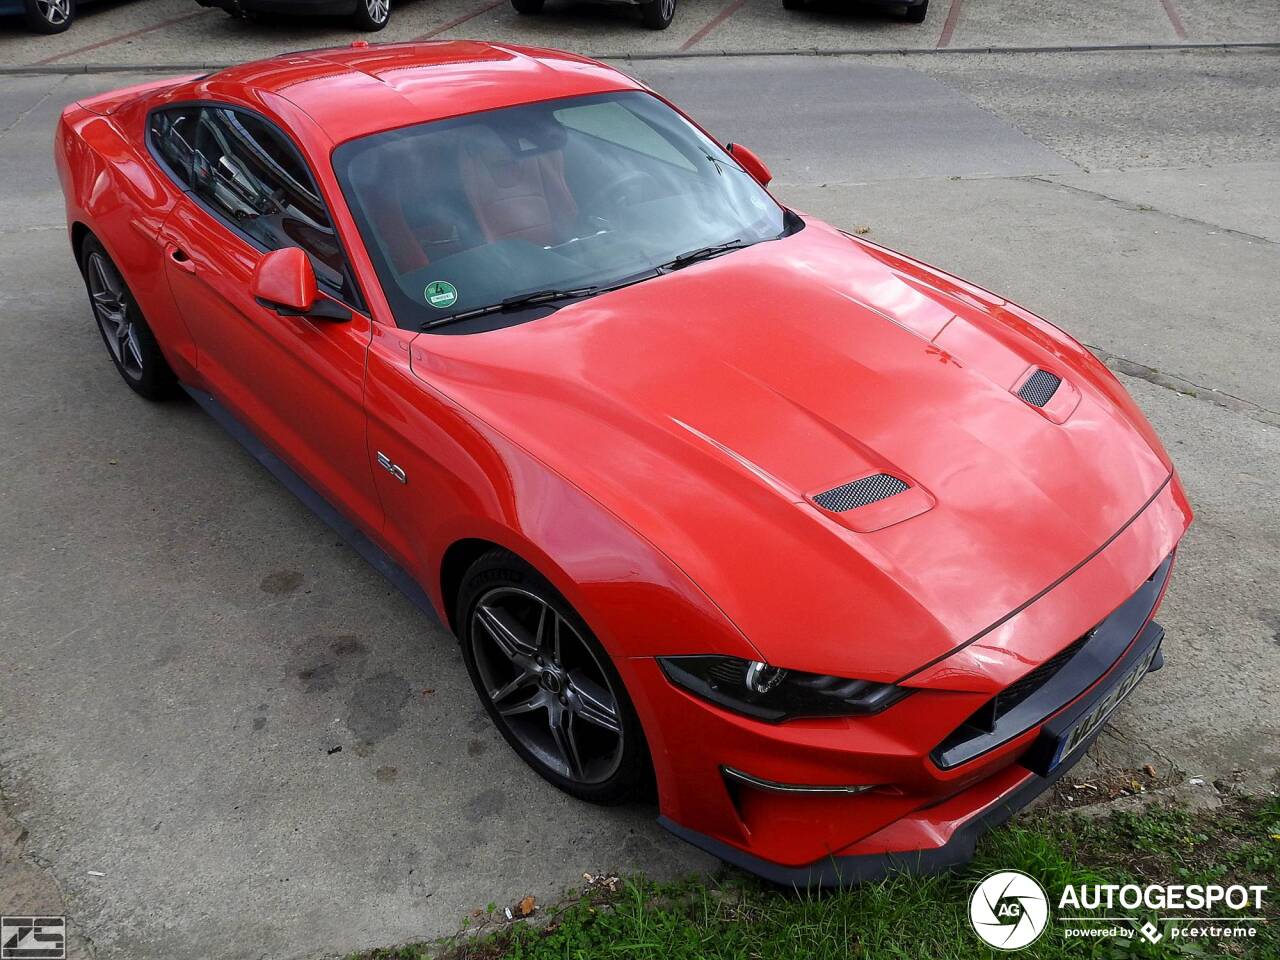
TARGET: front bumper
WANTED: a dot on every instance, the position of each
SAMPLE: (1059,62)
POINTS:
(843,870)
(954,822)
(926,810)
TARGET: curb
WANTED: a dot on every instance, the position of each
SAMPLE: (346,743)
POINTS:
(68,69)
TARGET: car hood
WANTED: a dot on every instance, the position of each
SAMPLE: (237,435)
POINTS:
(707,407)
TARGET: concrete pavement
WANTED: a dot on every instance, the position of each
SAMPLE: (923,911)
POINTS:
(183,646)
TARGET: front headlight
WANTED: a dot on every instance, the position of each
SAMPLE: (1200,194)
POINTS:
(759,690)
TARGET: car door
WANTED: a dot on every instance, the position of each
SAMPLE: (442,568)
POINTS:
(297,382)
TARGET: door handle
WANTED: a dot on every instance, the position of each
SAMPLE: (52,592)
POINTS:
(179,257)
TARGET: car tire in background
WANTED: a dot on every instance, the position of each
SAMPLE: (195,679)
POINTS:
(917,13)
(129,340)
(658,14)
(50,16)
(527,6)
(792,4)
(372,15)
(548,684)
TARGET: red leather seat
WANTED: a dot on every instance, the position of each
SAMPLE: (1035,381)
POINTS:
(412,192)
(515,195)
(389,169)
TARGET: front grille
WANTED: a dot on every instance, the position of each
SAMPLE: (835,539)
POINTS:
(989,714)
(859,493)
(1019,690)
(1040,388)
(1058,681)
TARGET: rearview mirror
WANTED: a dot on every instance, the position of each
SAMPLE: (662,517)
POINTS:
(751,163)
(285,281)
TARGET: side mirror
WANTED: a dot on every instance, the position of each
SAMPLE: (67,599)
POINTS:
(751,163)
(285,282)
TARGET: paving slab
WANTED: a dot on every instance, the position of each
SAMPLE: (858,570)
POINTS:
(1230,196)
(1212,20)
(1022,22)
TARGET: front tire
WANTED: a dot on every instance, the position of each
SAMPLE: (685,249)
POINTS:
(50,16)
(129,340)
(917,13)
(658,14)
(372,15)
(547,683)
(792,4)
(527,6)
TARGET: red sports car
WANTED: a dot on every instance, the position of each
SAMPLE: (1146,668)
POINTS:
(848,556)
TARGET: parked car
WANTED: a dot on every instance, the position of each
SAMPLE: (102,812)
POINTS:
(654,14)
(364,14)
(912,11)
(42,16)
(852,557)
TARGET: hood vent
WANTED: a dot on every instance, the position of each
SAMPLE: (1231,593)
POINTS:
(859,493)
(1040,388)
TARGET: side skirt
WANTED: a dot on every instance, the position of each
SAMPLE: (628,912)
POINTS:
(316,502)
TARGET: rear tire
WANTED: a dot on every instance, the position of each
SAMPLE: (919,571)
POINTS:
(527,6)
(916,14)
(129,340)
(658,14)
(548,684)
(50,16)
(372,15)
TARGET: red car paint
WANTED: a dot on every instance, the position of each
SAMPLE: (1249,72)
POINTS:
(654,452)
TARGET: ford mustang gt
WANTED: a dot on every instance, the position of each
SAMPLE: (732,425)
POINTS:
(846,557)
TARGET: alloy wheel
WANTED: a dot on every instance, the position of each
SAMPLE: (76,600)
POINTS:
(546,685)
(111,308)
(55,12)
(378,10)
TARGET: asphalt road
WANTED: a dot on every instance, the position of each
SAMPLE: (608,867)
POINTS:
(182,645)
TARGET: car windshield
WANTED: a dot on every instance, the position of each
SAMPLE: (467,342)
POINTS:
(559,199)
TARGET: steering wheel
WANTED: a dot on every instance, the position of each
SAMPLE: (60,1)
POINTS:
(625,191)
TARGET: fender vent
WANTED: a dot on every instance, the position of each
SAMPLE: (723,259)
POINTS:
(859,493)
(1040,388)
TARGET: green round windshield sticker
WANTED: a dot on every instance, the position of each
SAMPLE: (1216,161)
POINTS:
(441,294)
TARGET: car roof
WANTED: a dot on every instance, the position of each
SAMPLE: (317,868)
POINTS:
(366,88)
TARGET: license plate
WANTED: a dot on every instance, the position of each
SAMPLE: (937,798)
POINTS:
(1072,739)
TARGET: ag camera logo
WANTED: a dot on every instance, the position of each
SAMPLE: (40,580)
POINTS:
(1009,910)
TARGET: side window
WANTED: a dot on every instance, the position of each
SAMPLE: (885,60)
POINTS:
(248,172)
(172,132)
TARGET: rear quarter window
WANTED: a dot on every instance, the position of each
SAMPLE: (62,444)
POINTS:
(172,137)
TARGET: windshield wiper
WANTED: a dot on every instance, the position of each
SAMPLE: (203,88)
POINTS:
(703,253)
(512,303)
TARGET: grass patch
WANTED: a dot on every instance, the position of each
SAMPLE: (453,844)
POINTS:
(730,917)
